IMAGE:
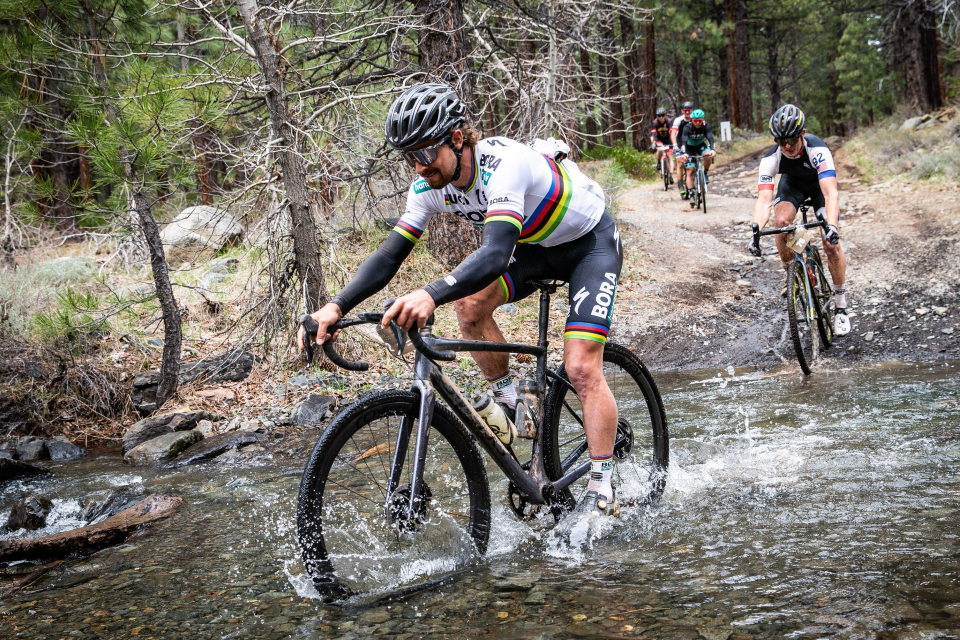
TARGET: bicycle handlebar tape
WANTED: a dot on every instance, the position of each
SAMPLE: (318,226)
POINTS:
(428,351)
(340,361)
(310,329)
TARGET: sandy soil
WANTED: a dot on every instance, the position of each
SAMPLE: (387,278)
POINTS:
(693,297)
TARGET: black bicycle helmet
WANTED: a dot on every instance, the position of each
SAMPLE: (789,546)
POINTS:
(661,111)
(687,105)
(421,113)
(787,122)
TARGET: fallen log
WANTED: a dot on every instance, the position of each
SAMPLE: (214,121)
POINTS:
(111,531)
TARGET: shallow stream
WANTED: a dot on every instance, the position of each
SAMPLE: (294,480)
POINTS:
(800,508)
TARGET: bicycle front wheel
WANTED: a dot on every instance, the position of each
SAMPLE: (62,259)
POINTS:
(642,446)
(703,191)
(356,535)
(824,294)
(665,173)
(802,317)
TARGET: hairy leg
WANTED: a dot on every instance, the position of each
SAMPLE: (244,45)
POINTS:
(583,361)
(784,213)
(475,316)
(837,261)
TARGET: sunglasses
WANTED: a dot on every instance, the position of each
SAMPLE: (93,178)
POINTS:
(425,156)
(784,142)
(698,121)
(687,110)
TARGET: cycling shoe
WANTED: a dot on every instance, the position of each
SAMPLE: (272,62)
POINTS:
(841,323)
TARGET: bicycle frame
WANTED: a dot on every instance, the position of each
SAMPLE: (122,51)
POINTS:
(429,380)
(805,257)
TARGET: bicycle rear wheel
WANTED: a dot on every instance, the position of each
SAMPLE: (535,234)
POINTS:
(353,538)
(665,172)
(642,446)
(801,317)
(824,294)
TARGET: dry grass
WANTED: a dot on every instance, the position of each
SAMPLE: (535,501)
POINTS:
(931,153)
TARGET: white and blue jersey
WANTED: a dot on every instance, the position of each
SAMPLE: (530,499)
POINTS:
(814,164)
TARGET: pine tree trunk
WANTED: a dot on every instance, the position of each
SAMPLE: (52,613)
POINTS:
(916,48)
(640,71)
(613,120)
(773,70)
(742,53)
(586,85)
(306,242)
(449,239)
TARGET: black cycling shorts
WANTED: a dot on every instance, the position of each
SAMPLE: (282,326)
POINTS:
(696,150)
(797,191)
(591,264)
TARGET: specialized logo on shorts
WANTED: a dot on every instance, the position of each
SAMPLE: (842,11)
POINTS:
(608,291)
(420,186)
(582,295)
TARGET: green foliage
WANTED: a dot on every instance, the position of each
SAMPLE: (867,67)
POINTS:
(73,323)
(865,85)
(634,163)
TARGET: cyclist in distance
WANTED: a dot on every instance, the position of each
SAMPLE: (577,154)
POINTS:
(807,171)
(696,139)
(678,124)
(661,141)
(541,219)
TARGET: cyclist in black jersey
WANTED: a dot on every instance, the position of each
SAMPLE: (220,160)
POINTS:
(806,167)
(696,139)
(675,129)
(542,219)
(660,139)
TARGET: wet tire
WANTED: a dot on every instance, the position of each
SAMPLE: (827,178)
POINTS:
(703,191)
(803,328)
(354,538)
(824,295)
(642,446)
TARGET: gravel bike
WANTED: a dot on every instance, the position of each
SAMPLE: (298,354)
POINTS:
(810,305)
(395,492)
(665,171)
(698,194)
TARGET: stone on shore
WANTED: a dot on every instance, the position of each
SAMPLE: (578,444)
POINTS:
(199,232)
(31,449)
(162,448)
(150,428)
(230,367)
(61,450)
(314,410)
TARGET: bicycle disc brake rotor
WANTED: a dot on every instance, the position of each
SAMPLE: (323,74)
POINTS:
(398,511)
(624,442)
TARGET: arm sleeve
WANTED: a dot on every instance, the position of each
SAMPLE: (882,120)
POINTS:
(682,139)
(769,167)
(709,134)
(481,267)
(375,272)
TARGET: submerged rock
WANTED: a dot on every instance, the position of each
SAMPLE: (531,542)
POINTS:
(29,513)
(11,469)
(216,445)
(94,510)
(162,448)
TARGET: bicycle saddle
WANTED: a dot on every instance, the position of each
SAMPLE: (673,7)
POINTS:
(550,286)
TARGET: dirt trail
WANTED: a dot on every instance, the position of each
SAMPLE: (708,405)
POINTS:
(693,297)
